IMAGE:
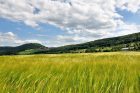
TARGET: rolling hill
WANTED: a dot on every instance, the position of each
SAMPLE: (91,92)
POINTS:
(129,42)
(29,48)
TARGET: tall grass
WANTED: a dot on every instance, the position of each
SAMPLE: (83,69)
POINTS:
(71,73)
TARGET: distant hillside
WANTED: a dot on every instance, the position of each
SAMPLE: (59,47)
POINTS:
(122,43)
(127,42)
(21,49)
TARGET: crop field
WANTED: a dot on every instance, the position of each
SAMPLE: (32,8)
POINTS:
(71,73)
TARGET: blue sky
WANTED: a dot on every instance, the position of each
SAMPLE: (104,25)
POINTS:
(57,23)
(129,17)
(26,32)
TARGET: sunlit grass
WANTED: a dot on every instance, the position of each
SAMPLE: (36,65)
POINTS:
(71,73)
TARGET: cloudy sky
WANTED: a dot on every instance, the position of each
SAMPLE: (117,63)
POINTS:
(62,22)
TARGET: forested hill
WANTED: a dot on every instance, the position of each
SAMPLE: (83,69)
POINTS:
(30,47)
(129,42)
(122,43)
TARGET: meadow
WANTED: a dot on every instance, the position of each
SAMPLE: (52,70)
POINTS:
(71,73)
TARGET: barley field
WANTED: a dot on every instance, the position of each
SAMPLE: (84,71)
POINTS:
(71,73)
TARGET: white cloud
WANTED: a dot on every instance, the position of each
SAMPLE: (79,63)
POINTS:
(83,14)
(27,41)
(124,29)
(130,5)
(84,20)
(9,38)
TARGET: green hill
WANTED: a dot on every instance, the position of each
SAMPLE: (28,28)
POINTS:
(122,43)
(128,42)
(33,47)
